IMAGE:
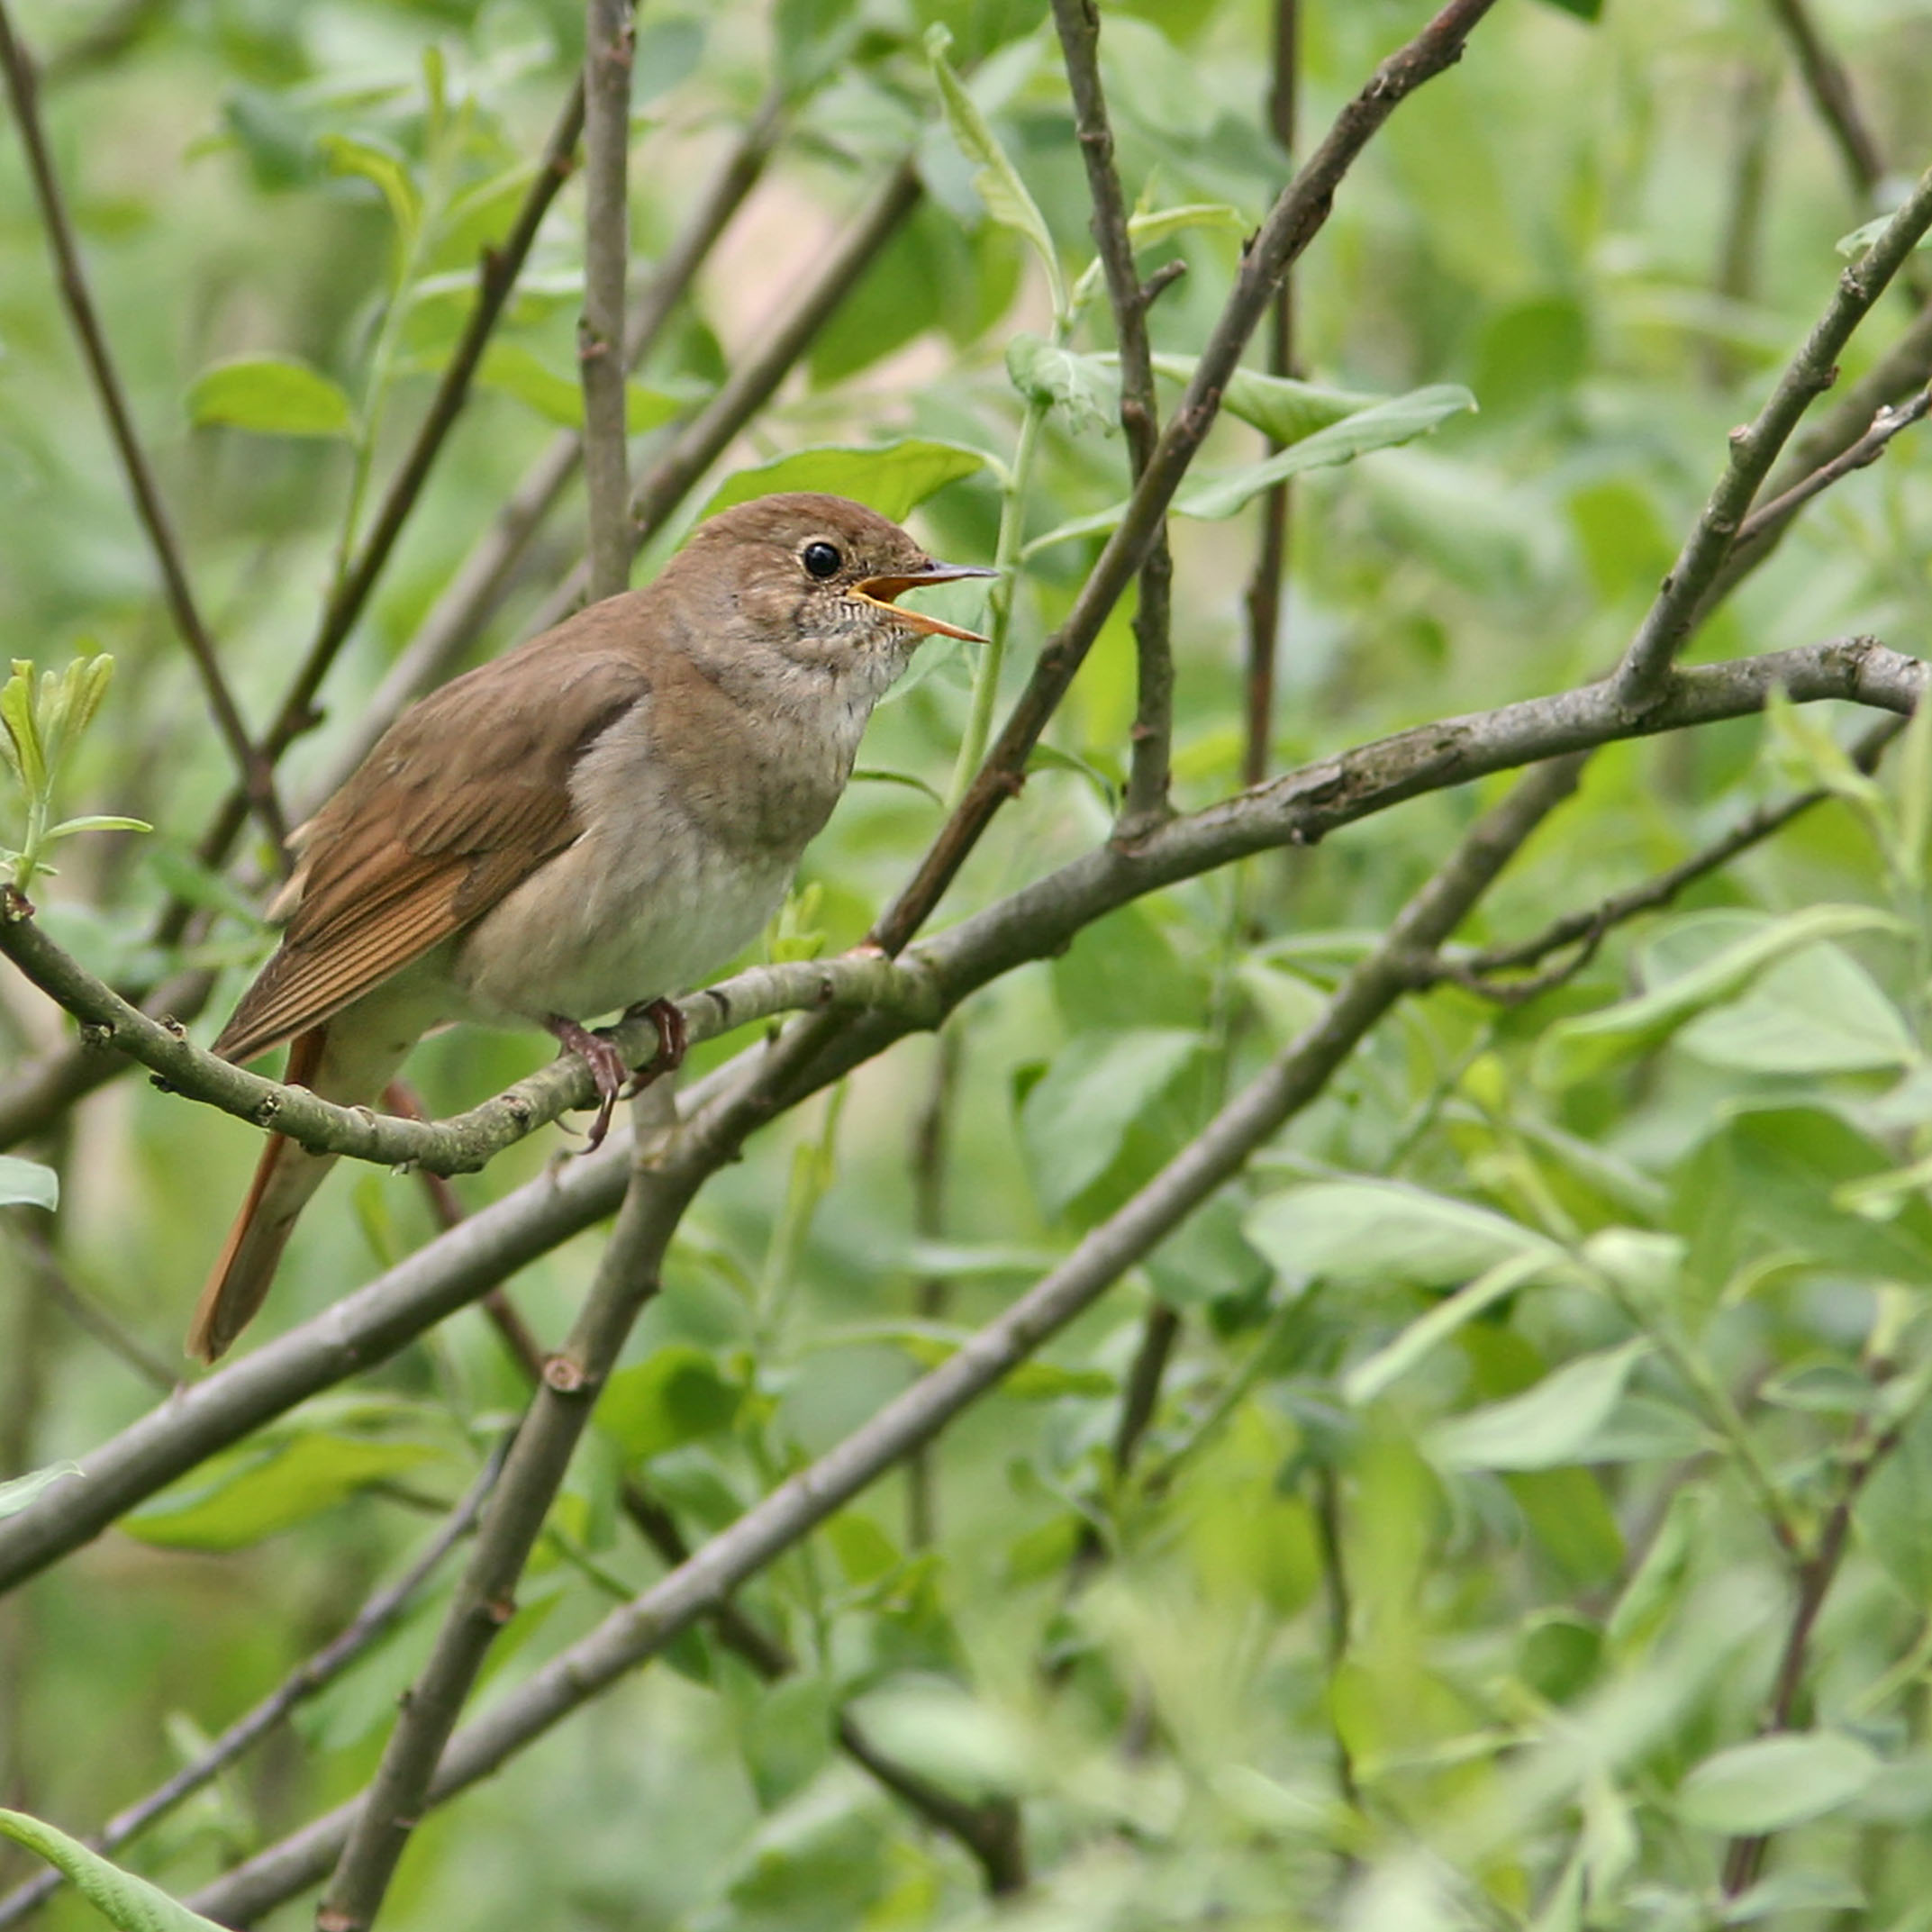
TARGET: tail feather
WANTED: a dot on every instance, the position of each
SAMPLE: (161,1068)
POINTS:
(284,1177)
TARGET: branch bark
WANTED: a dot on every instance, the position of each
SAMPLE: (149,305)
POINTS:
(609,45)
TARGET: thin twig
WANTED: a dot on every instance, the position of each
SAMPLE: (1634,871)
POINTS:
(1268,588)
(88,1313)
(654,1618)
(1754,448)
(253,765)
(608,47)
(1297,216)
(304,1681)
(1888,421)
(1145,802)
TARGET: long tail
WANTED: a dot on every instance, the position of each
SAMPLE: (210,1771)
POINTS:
(348,1063)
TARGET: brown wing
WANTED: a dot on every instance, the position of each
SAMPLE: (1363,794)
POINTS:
(460,800)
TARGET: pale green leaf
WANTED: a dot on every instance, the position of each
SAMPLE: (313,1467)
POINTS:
(1774,1783)
(1280,406)
(1816,1011)
(1574,1050)
(97,822)
(1085,392)
(675,1395)
(271,395)
(1544,1428)
(995,179)
(388,172)
(129,1903)
(892,479)
(26,1180)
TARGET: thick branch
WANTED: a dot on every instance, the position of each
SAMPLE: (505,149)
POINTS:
(607,62)
(643,1627)
(1032,924)
(256,771)
(1293,221)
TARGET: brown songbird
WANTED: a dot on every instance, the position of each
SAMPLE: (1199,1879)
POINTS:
(594,822)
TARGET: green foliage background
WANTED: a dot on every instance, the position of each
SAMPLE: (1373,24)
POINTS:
(1469,1624)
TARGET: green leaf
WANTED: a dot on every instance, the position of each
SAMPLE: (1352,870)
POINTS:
(811,37)
(1862,237)
(1366,1231)
(1574,1049)
(97,822)
(1582,9)
(1282,407)
(1817,1012)
(1080,387)
(511,369)
(675,1396)
(1379,426)
(787,1737)
(1075,1119)
(1773,1783)
(240,1498)
(23,729)
(128,1902)
(1544,1428)
(388,172)
(271,395)
(18,1494)
(892,479)
(995,179)
(1367,1379)
(26,1180)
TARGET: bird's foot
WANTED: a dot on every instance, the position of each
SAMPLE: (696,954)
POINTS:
(672,1039)
(606,1065)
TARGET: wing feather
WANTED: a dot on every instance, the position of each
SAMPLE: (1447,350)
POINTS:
(463,797)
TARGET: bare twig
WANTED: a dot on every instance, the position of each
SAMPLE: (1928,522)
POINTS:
(1293,221)
(254,768)
(1268,588)
(609,42)
(1755,446)
(1145,802)
(304,1681)
(641,1628)
(88,1313)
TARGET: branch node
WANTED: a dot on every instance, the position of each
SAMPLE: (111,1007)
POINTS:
(499,1610)
(1160,281)
(566,1374)
(14,905)
(96,1033)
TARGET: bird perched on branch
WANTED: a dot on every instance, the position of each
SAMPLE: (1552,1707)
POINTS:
(596,820)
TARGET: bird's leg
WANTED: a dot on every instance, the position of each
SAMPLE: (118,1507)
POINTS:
(606,1065)
(668,1018)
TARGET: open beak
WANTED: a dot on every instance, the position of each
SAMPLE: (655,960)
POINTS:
(883,590)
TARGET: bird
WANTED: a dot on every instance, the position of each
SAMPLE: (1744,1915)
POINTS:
(594,822)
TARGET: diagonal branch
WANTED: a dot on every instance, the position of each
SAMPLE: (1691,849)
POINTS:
(256,768)
(1756,447)
(1293,221)
(641,1628)
(1830,88)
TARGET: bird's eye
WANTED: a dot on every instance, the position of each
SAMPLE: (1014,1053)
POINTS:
(822,560)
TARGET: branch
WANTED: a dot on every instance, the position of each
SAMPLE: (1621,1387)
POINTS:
(302,1683)
(1267,587)
(1293,221)
(653,1619)
(609,46)
(1754,448)
(256,770)
(1033,923)
(485,1598)
(1297,809)
(1078,24)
